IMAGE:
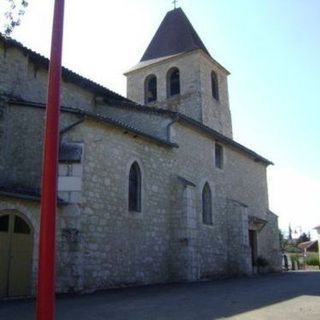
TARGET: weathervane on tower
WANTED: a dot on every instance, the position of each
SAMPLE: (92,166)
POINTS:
(175,3)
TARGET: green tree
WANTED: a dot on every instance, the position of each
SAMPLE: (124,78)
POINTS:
(283,241)
(303,238)
(13,14)
(290,233)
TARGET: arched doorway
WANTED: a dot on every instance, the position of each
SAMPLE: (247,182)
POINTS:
(16,243)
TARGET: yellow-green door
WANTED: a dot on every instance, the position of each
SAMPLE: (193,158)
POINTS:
(15,256)
(4,253)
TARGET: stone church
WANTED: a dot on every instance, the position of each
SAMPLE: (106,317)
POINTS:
(152,187)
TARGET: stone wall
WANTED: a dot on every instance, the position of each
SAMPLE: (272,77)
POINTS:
(269,242)
(241,180)
(22,144)
(245,181)
(215,113)
(195,99)
(123,247)
(185,264)
(101,243)
(23,151)
(24,77)
(21,130)
(239,253)
(3,138)
(152,123)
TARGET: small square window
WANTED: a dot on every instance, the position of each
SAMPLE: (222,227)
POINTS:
(218,156)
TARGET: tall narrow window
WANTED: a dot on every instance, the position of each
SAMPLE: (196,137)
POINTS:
(173,82)
(214,85)
(150,89)
(206,205)
(135,188)
(218,156)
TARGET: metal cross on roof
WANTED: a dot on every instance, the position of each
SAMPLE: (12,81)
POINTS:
(175,3)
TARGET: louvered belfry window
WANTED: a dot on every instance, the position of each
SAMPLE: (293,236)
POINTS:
(173,82)
(215,85)
(151,89)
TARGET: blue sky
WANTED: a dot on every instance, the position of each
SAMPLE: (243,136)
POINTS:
(271,48)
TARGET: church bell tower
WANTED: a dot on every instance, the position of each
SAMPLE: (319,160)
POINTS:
(177,72)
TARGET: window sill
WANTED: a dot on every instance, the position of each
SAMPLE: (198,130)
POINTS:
(173,97)
(134,211)
(210,226)
(151,103)
(135,214)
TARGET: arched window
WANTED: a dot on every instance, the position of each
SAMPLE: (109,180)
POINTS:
(134,188)
(173,82)
(214,85)
(150,89)
(206,205)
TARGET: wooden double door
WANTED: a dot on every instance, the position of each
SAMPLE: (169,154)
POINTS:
(16,244)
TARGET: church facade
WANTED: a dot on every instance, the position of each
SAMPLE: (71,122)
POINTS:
(152,187)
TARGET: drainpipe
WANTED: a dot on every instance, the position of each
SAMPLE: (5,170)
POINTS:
(66,129)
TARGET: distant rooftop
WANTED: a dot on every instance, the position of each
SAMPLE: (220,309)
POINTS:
(309,246)
(175,35)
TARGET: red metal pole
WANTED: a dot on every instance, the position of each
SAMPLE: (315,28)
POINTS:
(46,270)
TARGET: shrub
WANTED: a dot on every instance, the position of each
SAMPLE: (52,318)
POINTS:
(312,259)
(294,261)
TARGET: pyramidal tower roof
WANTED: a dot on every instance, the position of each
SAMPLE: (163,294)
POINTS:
(175,35)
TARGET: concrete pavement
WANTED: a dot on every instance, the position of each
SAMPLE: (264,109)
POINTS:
(293,295)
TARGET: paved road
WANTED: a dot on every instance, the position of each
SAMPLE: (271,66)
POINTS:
(293,295)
